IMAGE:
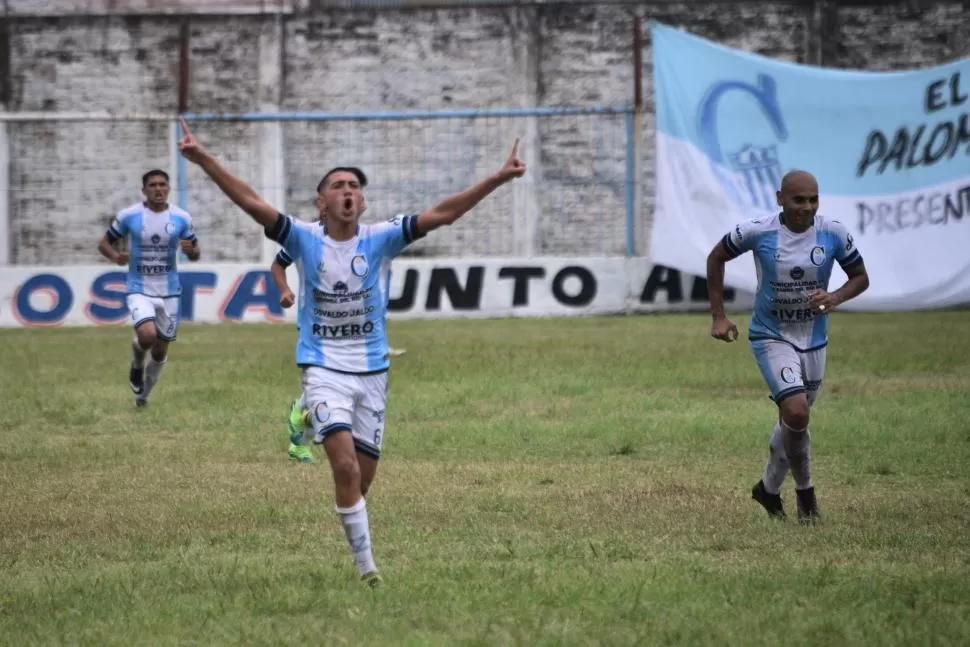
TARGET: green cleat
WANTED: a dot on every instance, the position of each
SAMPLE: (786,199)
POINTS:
(301,453)
(373,580)
(295,422)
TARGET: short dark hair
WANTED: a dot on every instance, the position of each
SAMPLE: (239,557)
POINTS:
(349,169)
(151,174)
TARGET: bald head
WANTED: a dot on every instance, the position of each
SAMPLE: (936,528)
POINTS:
(799,181)
(798,199)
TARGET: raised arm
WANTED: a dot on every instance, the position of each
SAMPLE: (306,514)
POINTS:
(455,206)
(235,188)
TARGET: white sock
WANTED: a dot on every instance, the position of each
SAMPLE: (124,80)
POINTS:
(152,374)
(137,353)
(776,468)
(798,448)
(357,529)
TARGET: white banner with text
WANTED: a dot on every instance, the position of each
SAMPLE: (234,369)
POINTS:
(891,151)
(420,289)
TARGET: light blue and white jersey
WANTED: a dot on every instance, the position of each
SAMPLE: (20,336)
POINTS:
(789,267)
(344,290)
(153,245)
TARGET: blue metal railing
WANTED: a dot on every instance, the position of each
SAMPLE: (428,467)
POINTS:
(612,162)
(470,113)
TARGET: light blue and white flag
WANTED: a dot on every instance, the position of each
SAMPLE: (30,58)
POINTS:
(891,151)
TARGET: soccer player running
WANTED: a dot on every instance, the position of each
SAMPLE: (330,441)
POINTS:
(155,231)
(342,347)
(794,252)
(298,419)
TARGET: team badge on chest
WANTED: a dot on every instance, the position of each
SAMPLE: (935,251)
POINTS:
(358,265)
(818,256)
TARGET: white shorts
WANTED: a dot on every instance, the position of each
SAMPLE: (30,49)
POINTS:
(788,371)
(164,311)
(355,403)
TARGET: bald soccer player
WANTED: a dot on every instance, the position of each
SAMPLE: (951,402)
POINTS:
(794,252)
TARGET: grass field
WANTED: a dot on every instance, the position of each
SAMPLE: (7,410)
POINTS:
(559,482)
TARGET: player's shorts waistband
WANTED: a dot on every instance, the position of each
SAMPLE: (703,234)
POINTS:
(785,341)
(336,370)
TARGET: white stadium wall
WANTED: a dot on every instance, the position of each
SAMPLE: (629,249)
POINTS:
(62,180)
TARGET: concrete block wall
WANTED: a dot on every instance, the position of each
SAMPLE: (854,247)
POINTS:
(66,179)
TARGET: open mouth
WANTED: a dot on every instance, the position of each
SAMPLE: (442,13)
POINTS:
(349,203)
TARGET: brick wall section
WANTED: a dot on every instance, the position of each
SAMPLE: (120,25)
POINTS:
(67,179)
(223,77)
(900,36)
(405,60)
(64,175)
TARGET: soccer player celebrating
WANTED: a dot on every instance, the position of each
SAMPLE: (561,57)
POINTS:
(794,252)
(342,347)
(298,420)
(155,231)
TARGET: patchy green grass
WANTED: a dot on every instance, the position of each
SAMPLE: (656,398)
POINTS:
(545,482)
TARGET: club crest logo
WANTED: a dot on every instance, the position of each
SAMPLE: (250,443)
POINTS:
(322,412)
(745,160)
(788,375)
(358,265)
(169,228)
(818,256)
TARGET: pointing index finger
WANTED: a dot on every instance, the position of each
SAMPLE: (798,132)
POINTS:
(515,147)
(185,126)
